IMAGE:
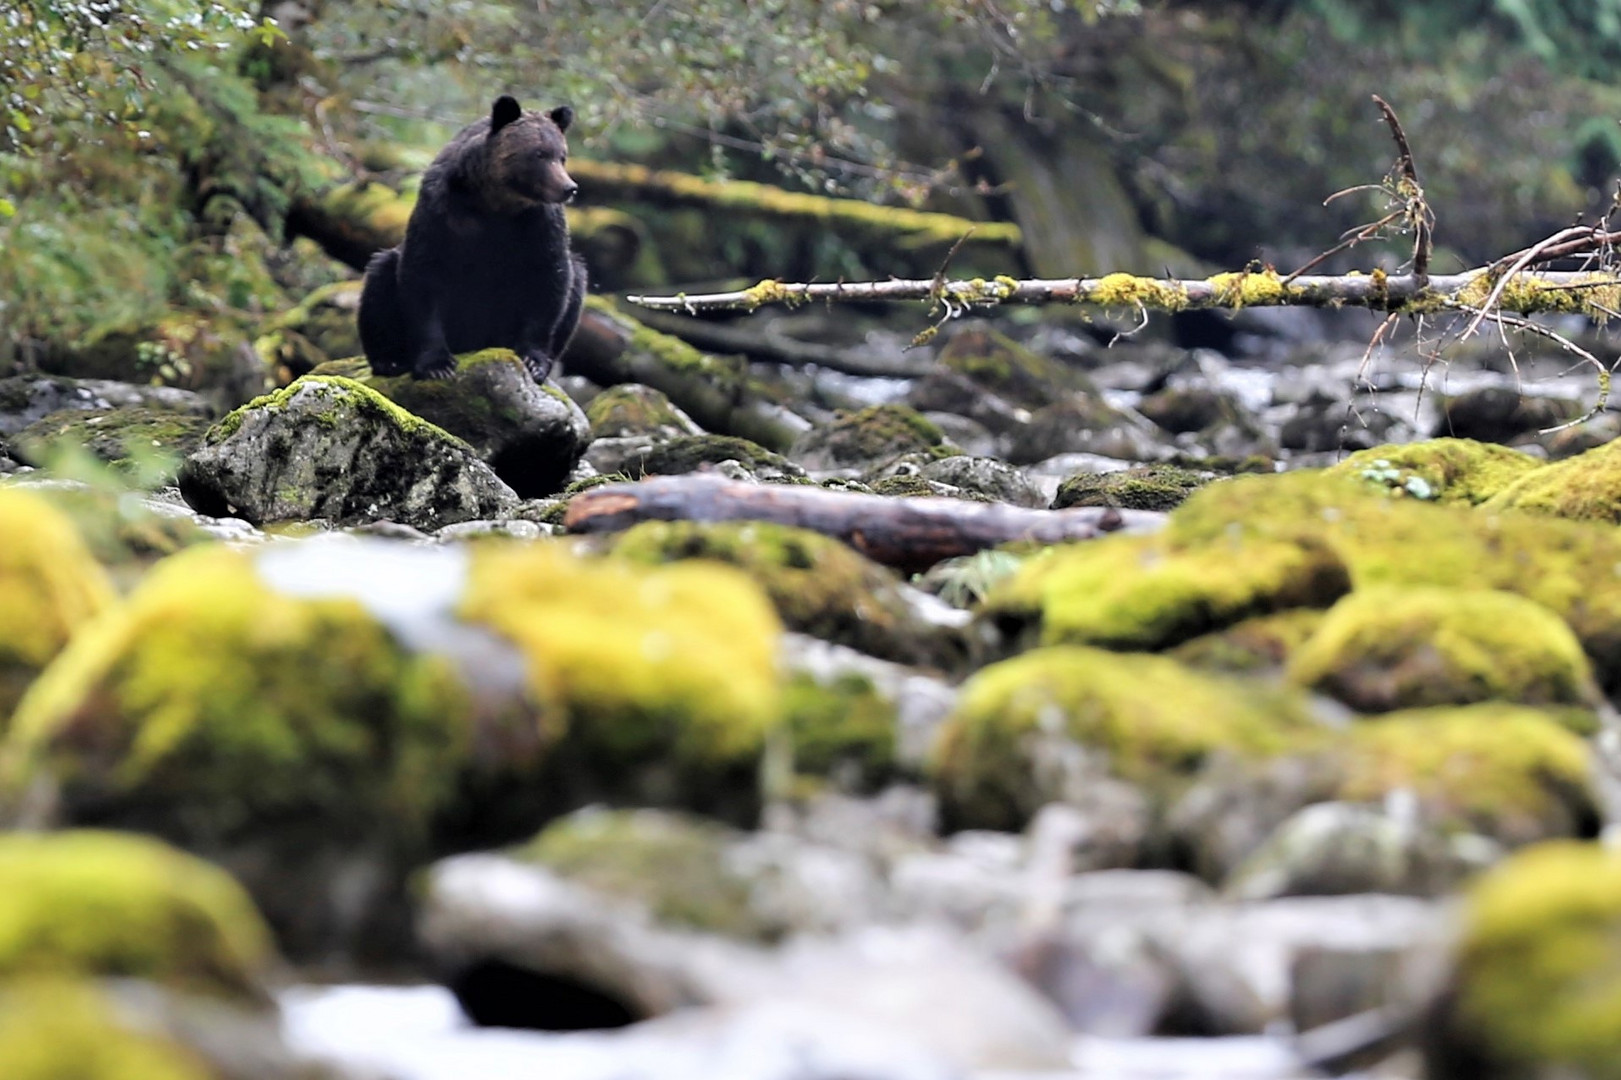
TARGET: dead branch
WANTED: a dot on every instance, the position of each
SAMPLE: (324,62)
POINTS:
(910,534)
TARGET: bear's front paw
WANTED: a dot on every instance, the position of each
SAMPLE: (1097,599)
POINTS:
(538,364)
(435,365)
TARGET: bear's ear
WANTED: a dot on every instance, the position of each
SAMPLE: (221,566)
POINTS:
(506,110)
(562,116)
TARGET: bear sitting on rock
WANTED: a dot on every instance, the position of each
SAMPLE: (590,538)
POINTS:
(485,262)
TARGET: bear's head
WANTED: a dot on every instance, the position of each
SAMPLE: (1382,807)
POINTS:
(525,152)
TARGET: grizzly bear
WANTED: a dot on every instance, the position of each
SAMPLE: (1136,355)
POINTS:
(485,261)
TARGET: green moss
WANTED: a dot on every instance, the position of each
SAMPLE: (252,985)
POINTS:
(878,432)
(1145,487)
(819,585)
(1255,645)
(1538,972)
(450,402)
(1132,593)
(1530,294)
(60,1029)
(1249,288)
(49,587)
(1128,290)
(1412,646)
(1571,568)
(140,443)
(118,904)
(208,704)
(633,410)
(676,664)
(1439,470)
(843,728)
(350,392)
(673,865)
(675,457)
(1147,719)
(1586,487)
(1501,770)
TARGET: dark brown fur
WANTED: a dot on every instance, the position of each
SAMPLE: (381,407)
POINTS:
(485,261)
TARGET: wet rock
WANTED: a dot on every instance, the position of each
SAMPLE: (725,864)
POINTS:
(948,393)
(1501,414)
(1331,849)
(1188,409)
(1325,423)
(983,476)
(1150,487)
(530,434)
(1083,424)
(974,438)
(997,364)
(1237,802)
(637,456)
(636,410)
(328,447)
(142,443)
(25,399)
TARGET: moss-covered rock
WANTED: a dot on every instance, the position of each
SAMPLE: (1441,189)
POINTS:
(867,437)
(210,705)
(1586,487)
(637,410)
(531,435)
(1439,470)
(1504,771)
(1390,647)
(1134,593)
(1255,645)
(1008,369)
(842,728)
(49,587)
(673,865)
(819,585)
(332,448)
(117,904)
(1571,568)
(1145,487)
(1537,987)
(142,443)
(56,1029)
(660,683)
(1026,731)
(689,453)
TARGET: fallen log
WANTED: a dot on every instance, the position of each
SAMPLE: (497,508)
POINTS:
(910,534)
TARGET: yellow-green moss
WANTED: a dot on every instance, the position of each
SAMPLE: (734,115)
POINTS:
(1538,973)
(1132,593)
(674,865)
(65,1029)
(1439,470)
(633,410)
(118,904)
(208,703)
(1505,771)
(878,432)
(678,661)
(1251,288)
(1571,568)
(1398,647)
(1259,644)
(842,728)
(1586,487)
(1147,719)
(343,392)
(1145,487)
(1128,290)
(1593,295)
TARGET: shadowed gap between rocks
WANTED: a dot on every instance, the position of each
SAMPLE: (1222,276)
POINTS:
(494,993)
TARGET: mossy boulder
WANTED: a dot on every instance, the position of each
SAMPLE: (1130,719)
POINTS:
(675,866)
(1041,726)
(117,904)
(1571,568)
(50,586)
(57,1029)
(635,410)
(273,731)
(1396,647)
(1586,487)
(867,437)
(819,585)
(842,728)
(1144,487)
(1008,369)
(689,453)
(531,435)
(1263,643)
(329,447)
(1134,593)
(655,683)
(1505,771)
(1537,986)
(142,443)
(1439,470)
